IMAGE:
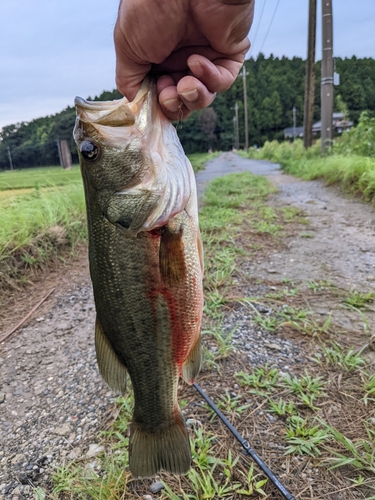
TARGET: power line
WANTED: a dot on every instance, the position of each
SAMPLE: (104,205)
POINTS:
(269,27)
(256,32)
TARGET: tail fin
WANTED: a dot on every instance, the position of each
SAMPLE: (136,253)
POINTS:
(168,449)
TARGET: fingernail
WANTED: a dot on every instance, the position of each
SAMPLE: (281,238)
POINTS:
(190,96)
(196,68)
(172,105)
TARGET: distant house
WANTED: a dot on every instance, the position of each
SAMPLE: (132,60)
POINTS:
(289,132)
(339,126)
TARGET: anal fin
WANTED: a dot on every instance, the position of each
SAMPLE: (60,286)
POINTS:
(192,364)
(110,367)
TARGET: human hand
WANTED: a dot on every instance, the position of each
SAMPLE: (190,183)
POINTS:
(194,47)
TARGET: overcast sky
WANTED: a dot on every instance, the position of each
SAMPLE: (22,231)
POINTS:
(53,50)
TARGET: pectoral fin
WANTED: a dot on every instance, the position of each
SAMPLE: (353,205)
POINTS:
(130,210)
(171,256)
(192,364)
(110,367)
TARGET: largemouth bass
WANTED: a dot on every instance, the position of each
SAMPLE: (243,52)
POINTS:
(146,266)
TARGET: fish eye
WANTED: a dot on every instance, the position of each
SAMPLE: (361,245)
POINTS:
(89,150)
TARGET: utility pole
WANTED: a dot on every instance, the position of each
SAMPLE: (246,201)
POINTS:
(237,133)
(310,77)
(245,108)
(294,123)
(327,75)
(10,158)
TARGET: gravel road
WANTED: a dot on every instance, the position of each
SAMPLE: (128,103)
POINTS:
(52,399)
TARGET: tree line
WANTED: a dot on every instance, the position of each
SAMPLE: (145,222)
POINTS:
(274,87)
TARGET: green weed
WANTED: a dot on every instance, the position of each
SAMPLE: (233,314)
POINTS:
(267,227)
(359,454)
(302,438)
(306,387)
(223,343)
(368,387)
(229,464)
(336,355)
(252,485)
(214,300)
(305,384)
(202,446)
(260,378)
(354,173)
(291,213)
(231,404)
(292,314)
(208,487)
(359,300)
(269,323)
(318,286)
(39,493)
(282,408)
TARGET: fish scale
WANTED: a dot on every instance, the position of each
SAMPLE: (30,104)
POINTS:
(146,266)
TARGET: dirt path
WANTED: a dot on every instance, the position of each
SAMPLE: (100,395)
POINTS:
(52,399)
(341,245)
(338,244)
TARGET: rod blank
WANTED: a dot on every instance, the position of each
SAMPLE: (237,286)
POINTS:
(246,445)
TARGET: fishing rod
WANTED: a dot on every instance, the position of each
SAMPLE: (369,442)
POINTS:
(246,445)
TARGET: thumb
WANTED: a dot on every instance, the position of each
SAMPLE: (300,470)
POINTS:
(129,77)
(130,71)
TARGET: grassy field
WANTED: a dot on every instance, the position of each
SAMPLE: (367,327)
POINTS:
(42,213)
(35,178)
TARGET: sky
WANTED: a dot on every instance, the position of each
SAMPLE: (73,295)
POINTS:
(53,50)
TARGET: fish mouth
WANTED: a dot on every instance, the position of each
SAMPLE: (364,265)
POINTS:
(108,113)
(116,122)
(95,105)
(117,113)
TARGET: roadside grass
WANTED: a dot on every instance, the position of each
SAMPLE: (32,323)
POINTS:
(199,160)
(37,228)
(354,173)
(313,425)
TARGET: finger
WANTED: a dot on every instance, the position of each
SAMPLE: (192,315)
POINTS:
(217,75)
(129,82)
(163,82)
(170,101)
(194,94)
